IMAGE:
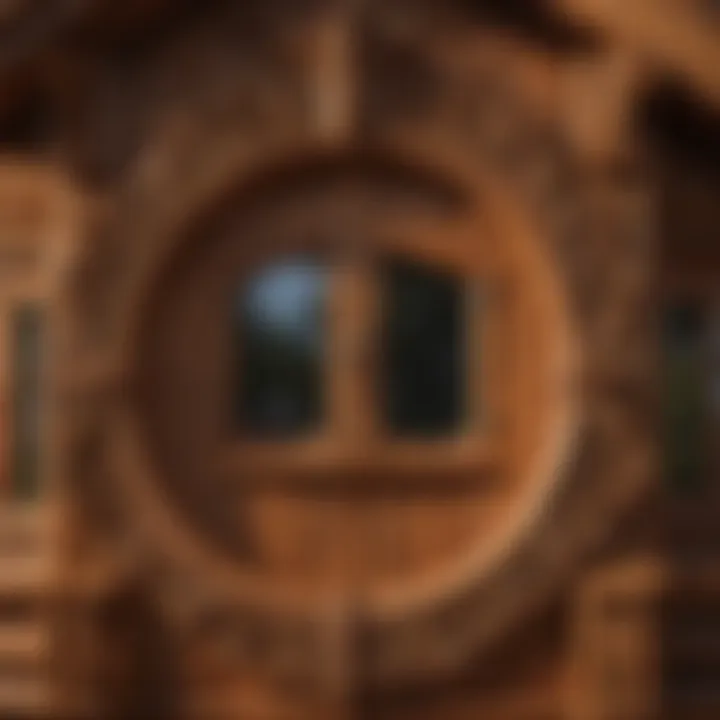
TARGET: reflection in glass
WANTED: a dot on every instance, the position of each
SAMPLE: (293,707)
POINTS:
(27,330)
(280,337)
(686,393)
(424,350)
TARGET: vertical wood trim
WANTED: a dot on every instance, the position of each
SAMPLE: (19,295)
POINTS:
(340,672)
(475,367)
(614,636)
(354,342)
(333,76)
(492,358)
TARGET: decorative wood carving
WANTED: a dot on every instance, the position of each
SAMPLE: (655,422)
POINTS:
(592,231)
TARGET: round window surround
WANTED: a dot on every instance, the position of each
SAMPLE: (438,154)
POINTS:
(280,561)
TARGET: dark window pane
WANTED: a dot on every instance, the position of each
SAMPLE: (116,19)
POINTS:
(280,341)
(423,351)
(714,390)
(27,330)
(686,396)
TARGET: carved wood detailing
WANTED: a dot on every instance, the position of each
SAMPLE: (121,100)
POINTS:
(212,139)
(592,266)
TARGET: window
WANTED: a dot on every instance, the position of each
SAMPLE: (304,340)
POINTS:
(410,367)
(423,351)
(688,393)
(24,426)
(376,347)
(280,336)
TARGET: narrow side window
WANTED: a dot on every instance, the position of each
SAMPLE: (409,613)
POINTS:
(26,343)
(686,397)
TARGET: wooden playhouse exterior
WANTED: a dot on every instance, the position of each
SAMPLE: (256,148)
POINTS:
(481,482)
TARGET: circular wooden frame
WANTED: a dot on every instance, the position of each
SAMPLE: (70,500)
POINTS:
(526,288)
(584,473)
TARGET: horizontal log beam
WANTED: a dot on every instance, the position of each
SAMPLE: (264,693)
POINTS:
(673,34)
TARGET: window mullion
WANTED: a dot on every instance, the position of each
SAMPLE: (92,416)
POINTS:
(354,301)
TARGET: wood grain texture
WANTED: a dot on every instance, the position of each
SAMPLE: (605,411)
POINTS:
(577,429)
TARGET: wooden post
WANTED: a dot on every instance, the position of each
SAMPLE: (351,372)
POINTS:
(614,659)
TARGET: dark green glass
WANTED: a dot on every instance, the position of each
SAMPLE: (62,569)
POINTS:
(280,339)
(686,398)
(27,327)
(424,351)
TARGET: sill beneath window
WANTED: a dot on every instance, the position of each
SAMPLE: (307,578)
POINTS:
(414,467)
